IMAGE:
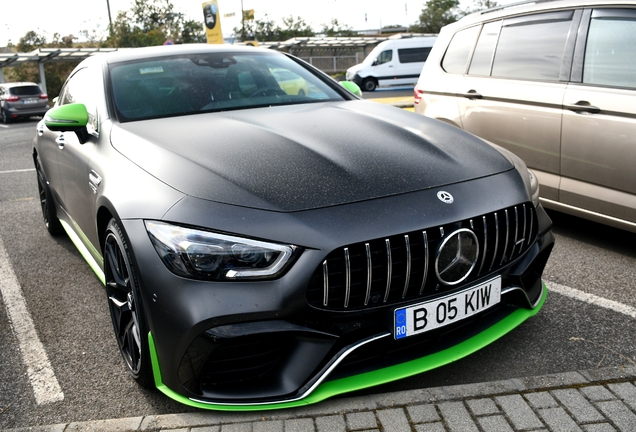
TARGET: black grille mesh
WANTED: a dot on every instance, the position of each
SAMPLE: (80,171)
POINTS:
(402,267)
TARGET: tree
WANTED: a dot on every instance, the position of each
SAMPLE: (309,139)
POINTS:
(484,4)
(267,30)
(153,22)
(335,28)
(436,14)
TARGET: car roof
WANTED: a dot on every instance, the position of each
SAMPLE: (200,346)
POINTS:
(18,84)
(128,54)
(534,6)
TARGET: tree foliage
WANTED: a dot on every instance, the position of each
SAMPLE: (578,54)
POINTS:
(436,14)
(153,22)
(267,30)
(335,28)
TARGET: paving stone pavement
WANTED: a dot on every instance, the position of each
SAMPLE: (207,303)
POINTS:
(596,400)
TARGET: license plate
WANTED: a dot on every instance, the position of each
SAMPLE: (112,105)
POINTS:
(29,101)
(426,316)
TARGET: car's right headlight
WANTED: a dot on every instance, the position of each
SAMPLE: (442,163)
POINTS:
(206,255)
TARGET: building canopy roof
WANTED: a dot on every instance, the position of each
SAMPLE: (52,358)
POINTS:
(43,55)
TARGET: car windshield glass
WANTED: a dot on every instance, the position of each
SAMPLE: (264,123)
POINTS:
(26,90)
(191,84)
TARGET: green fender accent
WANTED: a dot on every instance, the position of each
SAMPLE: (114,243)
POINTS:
(65,118)
(368,379)
(81,241)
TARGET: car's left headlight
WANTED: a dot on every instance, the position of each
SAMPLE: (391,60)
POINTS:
(206,255)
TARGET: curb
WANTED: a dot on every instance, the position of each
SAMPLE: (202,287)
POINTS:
(212,421)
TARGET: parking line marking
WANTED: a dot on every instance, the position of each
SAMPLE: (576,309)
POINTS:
(592,299)
(17,171)
(46,388)
(4,126)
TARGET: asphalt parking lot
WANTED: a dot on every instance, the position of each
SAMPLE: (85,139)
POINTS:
(586,324)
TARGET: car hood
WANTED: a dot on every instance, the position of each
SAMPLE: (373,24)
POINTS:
(300,157)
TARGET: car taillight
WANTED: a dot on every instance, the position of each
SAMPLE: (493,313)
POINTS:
(417,95)
(44,96)
(13,98)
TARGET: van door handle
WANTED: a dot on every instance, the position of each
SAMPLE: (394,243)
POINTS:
(472,94)
(583,107)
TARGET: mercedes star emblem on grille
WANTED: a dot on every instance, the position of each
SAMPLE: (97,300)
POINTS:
(445,197)
(456,257)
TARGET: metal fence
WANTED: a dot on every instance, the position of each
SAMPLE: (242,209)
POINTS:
(334,64)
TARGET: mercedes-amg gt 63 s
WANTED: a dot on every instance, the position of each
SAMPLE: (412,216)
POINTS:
(261,249)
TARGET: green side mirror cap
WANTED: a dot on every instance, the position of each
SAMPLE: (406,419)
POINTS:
(66,118)
(352,87)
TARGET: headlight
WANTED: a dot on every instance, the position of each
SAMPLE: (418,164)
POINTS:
(205,255)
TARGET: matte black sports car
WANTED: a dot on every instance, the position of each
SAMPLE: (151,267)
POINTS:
(261,249)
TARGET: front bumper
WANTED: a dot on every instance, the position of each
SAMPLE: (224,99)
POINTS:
(247,345)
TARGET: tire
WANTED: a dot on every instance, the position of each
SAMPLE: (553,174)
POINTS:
(369,84)
(47,203)
(4,116)
(126,309)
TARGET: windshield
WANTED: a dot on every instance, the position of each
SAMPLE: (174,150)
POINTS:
(197,83)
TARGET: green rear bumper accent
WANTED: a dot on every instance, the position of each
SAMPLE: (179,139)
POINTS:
(368,379)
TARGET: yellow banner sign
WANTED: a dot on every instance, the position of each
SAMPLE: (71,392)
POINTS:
(212,21)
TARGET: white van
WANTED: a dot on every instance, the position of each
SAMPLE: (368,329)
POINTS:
(393,62)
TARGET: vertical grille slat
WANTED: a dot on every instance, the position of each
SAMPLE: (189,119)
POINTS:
(389,269)
(367,250)
(347,277)
(395,269)
(425,275)
(407,273)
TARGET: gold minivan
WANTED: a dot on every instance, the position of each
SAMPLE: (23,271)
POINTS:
(555,83)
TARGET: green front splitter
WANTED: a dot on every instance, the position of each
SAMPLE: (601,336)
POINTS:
(368,379)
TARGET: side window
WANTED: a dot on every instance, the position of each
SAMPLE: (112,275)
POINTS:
(413,55)
(532,47)
(384,57)
(84,87)
(485,49)
(456,56)
(610,54)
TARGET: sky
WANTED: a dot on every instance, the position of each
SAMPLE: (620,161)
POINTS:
(47,17)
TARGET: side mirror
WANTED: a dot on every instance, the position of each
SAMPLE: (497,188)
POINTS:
(68,118)
(352,87)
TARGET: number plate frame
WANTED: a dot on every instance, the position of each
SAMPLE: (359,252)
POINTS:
(423,317)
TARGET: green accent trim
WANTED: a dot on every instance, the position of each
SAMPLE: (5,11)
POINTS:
(77,240)
(64,118)
(368,379)
(352,87)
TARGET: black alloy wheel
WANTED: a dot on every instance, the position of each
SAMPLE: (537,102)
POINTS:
(369,84)
(125,306)
(52,223)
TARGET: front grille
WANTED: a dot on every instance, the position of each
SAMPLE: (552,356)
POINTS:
(403,267)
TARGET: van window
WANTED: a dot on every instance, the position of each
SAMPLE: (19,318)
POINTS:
(459,49)
(610,54)
(482,57)
(413,55)
(384,57)
(531,47)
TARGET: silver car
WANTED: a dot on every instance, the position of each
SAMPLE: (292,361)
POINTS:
(554,83)
(22,99)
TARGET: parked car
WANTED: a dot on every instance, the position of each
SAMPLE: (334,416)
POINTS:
(392,62)
(554,83)
(267,250)
(21,99)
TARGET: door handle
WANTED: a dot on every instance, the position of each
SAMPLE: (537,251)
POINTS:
(472,94)
(60,142)
(582,107)
(94,180)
